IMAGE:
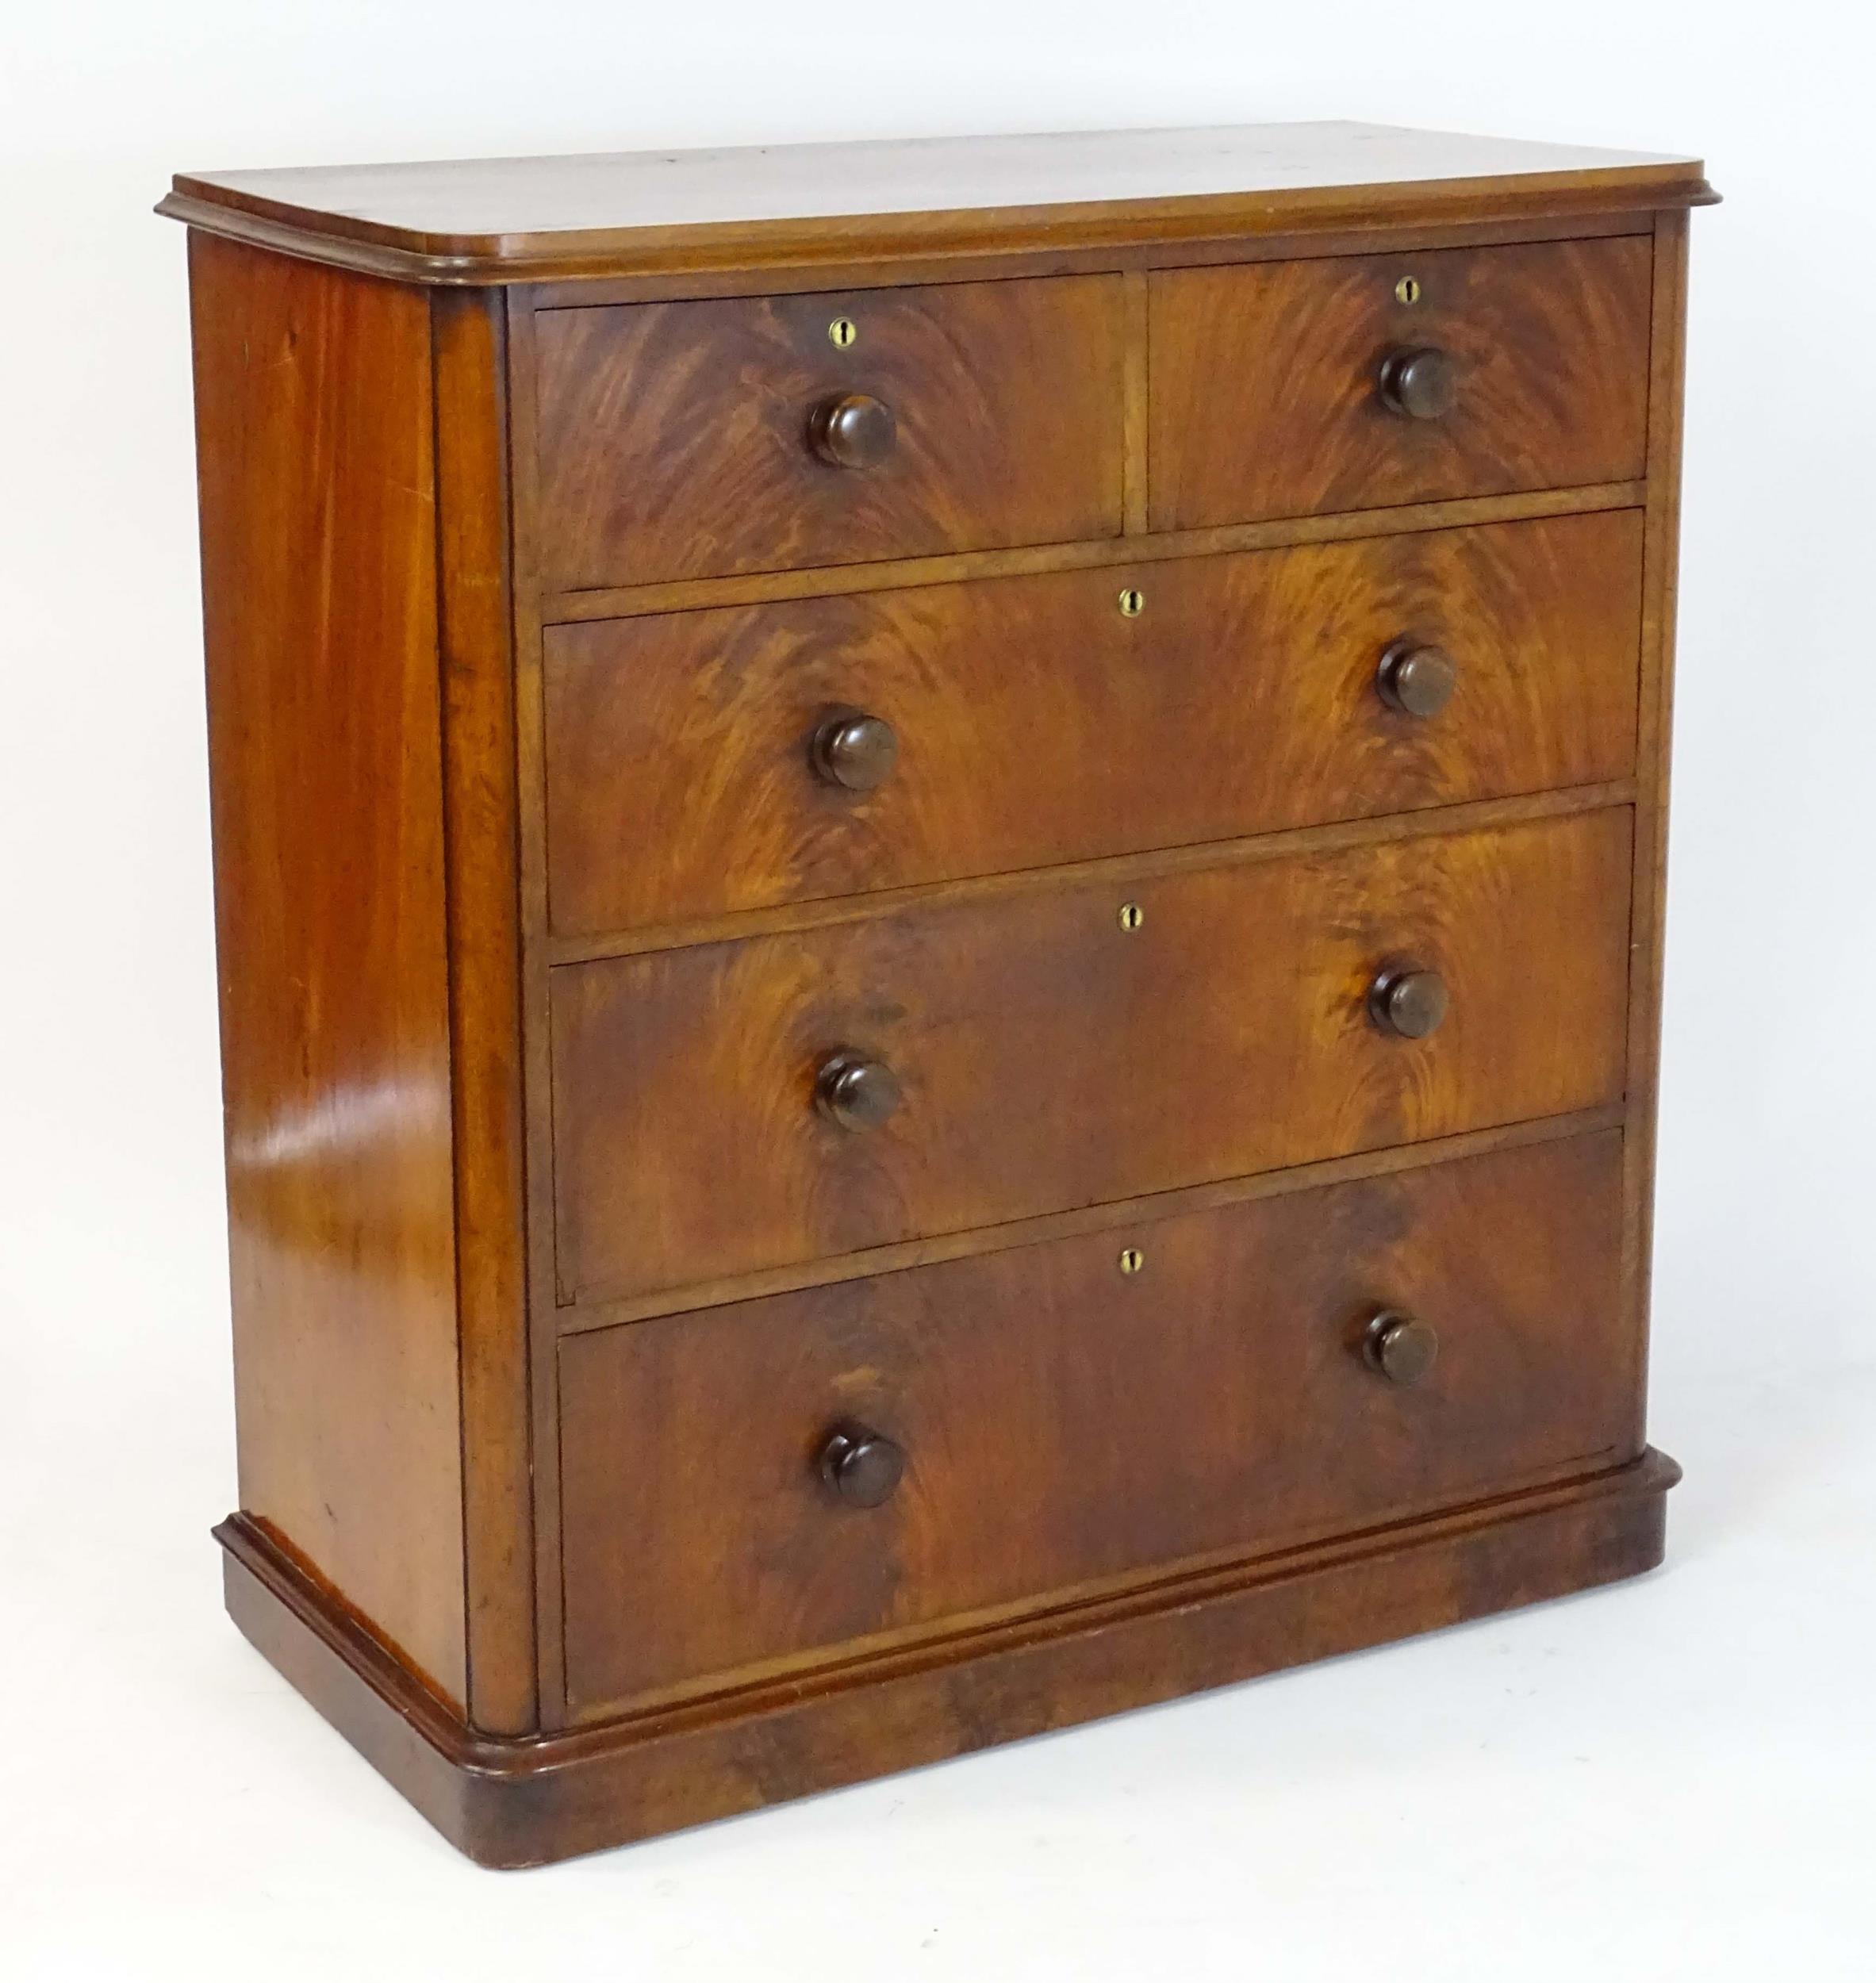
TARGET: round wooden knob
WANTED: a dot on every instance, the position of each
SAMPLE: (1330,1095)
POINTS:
(855,431)
(1407,1000)
(862,1467)
(1400,1347)
(1422,382)
(857,1093)
(1418,681)
(854,751)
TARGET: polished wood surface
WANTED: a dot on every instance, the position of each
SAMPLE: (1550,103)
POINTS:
(315,451)
(519,1803)
(1050,1057)
(674,439)
(1109,1215)
(679,748)
(1667,364)
(888,574)
(482,219)
(836,806)
(1548,345)
(481,824)
(1064,1424)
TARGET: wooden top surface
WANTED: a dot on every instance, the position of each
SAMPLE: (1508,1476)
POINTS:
(636,213)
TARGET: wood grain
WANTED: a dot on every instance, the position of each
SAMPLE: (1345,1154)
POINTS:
(697,595)
(1037,725)
(1107,1216)
(507,220)
(511,1803)
(475,609)
(1263,396)
(672,438)
(1051,1059)
(1134,407)
(1120,870)
(1661,569)
(1066,1425)
(1047,258)
(537,1066)
(316,470)
(534,928)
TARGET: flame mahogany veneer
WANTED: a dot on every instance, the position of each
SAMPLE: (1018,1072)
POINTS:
(938,890)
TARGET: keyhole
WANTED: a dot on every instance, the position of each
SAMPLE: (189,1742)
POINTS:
(1132,603)
(841,333)
(1407,291)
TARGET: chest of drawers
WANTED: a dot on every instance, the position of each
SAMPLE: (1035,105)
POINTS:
(938,894)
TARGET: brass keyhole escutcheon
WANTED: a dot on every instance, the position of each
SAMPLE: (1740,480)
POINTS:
(1407,290)
(841,333)
(1132,915)
(1132,603)
(1132,1259)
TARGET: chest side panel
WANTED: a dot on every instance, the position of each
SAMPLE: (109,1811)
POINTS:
(316,472)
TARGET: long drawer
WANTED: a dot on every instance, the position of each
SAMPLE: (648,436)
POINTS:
(734,1106)
(1056,1423)
(705,762)
(1282,387)
(683,440)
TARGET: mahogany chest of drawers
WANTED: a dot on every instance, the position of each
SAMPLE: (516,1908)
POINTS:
(938,897)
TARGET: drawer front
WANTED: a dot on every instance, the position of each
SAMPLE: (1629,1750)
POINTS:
(1031,721)
(675,439)
(1047,1056)
(1266,397)
(1063,1424)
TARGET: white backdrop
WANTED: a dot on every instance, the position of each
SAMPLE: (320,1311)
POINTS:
(1665,1778)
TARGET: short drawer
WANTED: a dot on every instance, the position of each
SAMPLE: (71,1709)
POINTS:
(1282,388)
(734,1105)
(704,762)
(686,440)
(1060,1426)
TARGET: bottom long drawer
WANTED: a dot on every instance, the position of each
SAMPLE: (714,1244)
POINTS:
(1072,1414)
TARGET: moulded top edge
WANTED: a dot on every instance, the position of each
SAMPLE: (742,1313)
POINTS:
(496,219)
